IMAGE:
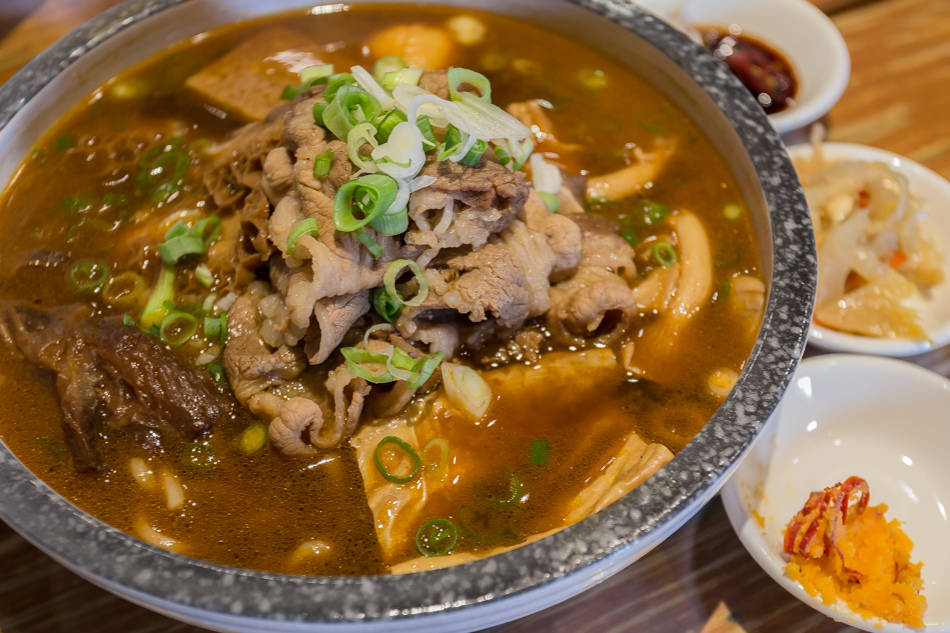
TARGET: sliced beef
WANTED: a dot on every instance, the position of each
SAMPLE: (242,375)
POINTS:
(603,246)
(334,318)
(106,371)
(253,366)
(465,205)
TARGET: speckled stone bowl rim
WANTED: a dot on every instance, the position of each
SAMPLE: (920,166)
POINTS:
(603,541)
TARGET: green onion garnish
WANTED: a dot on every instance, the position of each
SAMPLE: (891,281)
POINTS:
(425,127)
(164,291)
(389,279)
(88,275)
(335,82)
(252,439)
(304,227)
(592,78)
(216,328)
(216,371)
(460,76)
(204,276)
(312,75)
(732,211)
(451,143)
(370,195)
(539,452)
(385,125)
(630,235)
(63,143)
(655,212)
(351,105)
(502,155)
(386,306)
(318,109)
(514,493)
(388,64)
(407,449)
(437,468)
(664,254)
(726,289)
(201,455)
(292,92)
(550,201)
(405,76)
(436,537)
(182,240)
(356,357)
(322,164)
(367,240)
(423,369)
(475,154)
(177,328)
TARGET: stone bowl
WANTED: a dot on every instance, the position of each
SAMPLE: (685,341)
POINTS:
(492,590)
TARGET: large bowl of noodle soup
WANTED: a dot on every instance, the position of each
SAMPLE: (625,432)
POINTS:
(487,576)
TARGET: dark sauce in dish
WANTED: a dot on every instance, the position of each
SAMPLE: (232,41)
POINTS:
(763,70)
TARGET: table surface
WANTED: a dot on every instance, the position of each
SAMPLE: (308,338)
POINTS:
(699,580)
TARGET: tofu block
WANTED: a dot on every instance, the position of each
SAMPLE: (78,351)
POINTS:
(247,82)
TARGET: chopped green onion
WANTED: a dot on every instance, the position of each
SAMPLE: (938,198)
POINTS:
(318,109)
(252,439)
(466,389)
(292,92)
(63,143)
(436,468)
(311,75)
(392,223)
(664,254)
(655,212)
(436,537)
(405,76)
(367,240)
(389,279)
(732,211)
(423,369)
(631,236)
(407,449)
(128,320)
(356,357)
(207,306)
(385,125)
(514,493)
(359,135)
(388,64)
(216,328)
(88,275)
(164,291)
(201,455)
(304,227)
(502,155)
(726,289)
(182,240)
(216,371)
(386,306)
(335,82)
(371,195)
(322,164)
(460,76)
(204,276)
(451,143)
(177,328)
(550,201)
(475,154)
(539,452)
(350,106)
(520,153)
(425,127)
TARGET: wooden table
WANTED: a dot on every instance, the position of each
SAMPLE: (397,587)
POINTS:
(701,579)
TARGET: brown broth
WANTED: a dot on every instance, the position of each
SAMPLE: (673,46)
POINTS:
(252,511)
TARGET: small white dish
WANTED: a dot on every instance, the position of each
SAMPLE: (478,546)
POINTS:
(796,29)
(881,419)
(933,191)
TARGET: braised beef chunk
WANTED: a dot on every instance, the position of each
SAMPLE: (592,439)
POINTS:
(108,372)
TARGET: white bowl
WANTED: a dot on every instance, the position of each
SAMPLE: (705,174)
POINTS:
(795,28)
(934,194)
(881,419)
